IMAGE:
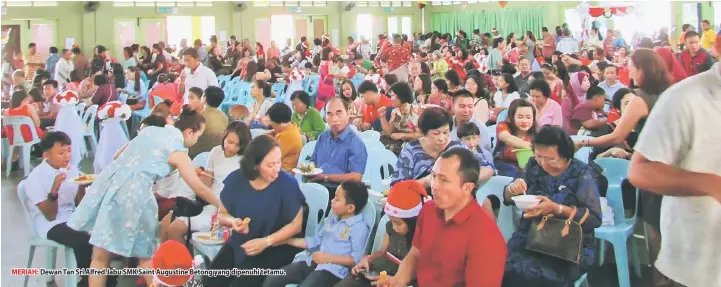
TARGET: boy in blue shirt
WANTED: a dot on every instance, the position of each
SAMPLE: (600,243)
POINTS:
(336,248)
(469,134)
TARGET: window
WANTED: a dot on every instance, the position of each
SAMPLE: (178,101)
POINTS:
(392,26)
(648,18)
(573,19)
(279,31)
(207,27)
(182,29)
(717,14)
(689,14)
(365,30)
(406,26)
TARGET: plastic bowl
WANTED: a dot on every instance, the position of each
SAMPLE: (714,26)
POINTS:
(525,201)
(523,155)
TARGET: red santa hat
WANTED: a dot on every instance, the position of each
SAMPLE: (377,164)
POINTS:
(169,256)
(405,199)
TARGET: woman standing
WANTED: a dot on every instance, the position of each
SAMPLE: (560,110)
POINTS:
(578,85)
(554,82)
(271,198)
(159,66)
(146,59)
(326,89)
(567,190)
(120,210)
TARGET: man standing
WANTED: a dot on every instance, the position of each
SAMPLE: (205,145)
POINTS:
(568,45)
(678,156)
(33,62)
(463,104)
(456,242)
(709,35)
(63,68)
(51,61)
(80,63)
(695,59)
(195,74)
(549,44)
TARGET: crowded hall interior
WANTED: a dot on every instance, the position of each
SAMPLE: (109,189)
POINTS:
(361,143)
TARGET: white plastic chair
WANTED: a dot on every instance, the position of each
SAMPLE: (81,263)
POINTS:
(494,136)
(370,134)
(201,159)
(495,186)
(380,233)
(304,157)
(51,246)
(257,132)
(80,107)
(317,197)
(379,168)
(123,98)
(18,141)
(583,153)
(89,121)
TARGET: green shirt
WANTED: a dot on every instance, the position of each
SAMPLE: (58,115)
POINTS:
(215,123)
(367,64)
(311,125)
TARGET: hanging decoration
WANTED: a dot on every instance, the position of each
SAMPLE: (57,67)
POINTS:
(503,3)
(421,4)
(609,12)
(464,5)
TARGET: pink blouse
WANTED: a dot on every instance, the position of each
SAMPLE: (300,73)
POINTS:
(551,114)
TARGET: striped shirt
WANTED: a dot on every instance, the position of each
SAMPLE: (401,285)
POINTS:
(31,65)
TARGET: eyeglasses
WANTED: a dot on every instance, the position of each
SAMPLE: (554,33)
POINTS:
(546,160)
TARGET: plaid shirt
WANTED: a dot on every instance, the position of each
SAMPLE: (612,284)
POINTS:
(31,69)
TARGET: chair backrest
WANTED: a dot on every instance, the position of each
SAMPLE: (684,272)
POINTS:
(494,136)
(372,145)
(616,170)
(583,153)
(257,132)
(495,186)
(380,233)
(502,116)
(201,159)
(316,196)
(80,108)
(379,169)
(89,118)
(312,85)
(24,205)
(157,100)
(17,122)
(278,88)
(122,97)
(306,152)
(370,134)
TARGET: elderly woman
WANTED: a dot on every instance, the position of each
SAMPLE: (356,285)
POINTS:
(403,123)
(563,184)
(305,117)
(417,157)
(272,199)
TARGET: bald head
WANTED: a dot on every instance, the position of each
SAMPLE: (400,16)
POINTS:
(336,115)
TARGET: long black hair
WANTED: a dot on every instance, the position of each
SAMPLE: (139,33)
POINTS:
(136,71)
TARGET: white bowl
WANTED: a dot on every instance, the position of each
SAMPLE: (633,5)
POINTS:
(525,201)
(374,195)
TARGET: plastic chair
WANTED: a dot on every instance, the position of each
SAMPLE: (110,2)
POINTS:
(495,186)
(238,94)
(304,157)
(616,170)
(380,233)
(581,281)
(277,89)
(18,141)
(123,98)
(502,116)
(311,86)
(80,108)
(52,246)
(201,159)
(257,132)
(494,136)
(379,169)
(583,153)
(356,81)
(89,121)
(370,134)
(317,197)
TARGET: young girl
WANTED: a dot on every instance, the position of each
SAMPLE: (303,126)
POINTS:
(356,105)
(404,201)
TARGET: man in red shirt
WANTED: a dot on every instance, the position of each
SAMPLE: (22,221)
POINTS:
(374,101)
(695,59)
(456,242)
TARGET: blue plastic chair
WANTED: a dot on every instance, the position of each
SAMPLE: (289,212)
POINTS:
(277,89)
(18,141)
(494,135)
(201,159)
(380,233)
(51,246)
(583,153)
(616,170)
(379,168)
(495,186)
(502,116)
(304,157)
(356,82)
(89,121)
(238,94)
(317,197)
(257,132)
(311,86)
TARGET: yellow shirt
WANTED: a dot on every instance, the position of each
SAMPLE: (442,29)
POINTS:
(707,39)
(290,143)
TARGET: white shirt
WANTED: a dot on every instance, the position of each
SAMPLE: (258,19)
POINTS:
(568,46)
(221,167)
(173,186)
(37,187)
(500,102)
(62,71)
(203,77)
(168,57)
(682,131)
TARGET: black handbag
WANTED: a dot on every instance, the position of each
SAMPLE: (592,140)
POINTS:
(559,238)
(187,207)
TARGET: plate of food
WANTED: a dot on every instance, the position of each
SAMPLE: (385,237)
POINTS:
(206,238)
(83,179)
(307,170)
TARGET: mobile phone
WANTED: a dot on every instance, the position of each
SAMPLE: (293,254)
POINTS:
(369,274)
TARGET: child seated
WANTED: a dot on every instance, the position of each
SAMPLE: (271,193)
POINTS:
(470,136)
(337,247)
(404,202)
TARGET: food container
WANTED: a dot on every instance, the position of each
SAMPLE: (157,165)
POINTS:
(525,201)
(523,155)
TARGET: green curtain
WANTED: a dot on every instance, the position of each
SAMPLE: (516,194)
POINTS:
(515,20)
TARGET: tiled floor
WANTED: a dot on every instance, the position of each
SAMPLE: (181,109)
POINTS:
(15,234)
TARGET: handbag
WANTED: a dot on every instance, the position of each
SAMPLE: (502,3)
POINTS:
(560,238)
(187,207)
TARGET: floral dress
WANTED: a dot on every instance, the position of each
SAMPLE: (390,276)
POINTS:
(119,210)
(575,187)
(401,122)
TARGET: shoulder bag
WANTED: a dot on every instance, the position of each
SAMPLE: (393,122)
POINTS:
(559,238)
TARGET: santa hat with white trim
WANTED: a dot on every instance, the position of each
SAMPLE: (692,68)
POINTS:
(169,256)
(405,199)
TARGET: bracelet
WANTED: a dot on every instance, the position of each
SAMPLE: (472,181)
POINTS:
(269,241)
(560,209)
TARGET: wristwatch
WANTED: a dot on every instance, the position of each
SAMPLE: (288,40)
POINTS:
(52,197)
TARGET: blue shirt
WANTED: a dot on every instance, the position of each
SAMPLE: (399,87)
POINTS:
(343,154)
(345,237)
(269,209)
(611,90)
(129,63)
(50,64)
(130,87)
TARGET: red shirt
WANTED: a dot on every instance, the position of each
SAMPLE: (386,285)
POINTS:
(397,55)
(371,114)
(467,250)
